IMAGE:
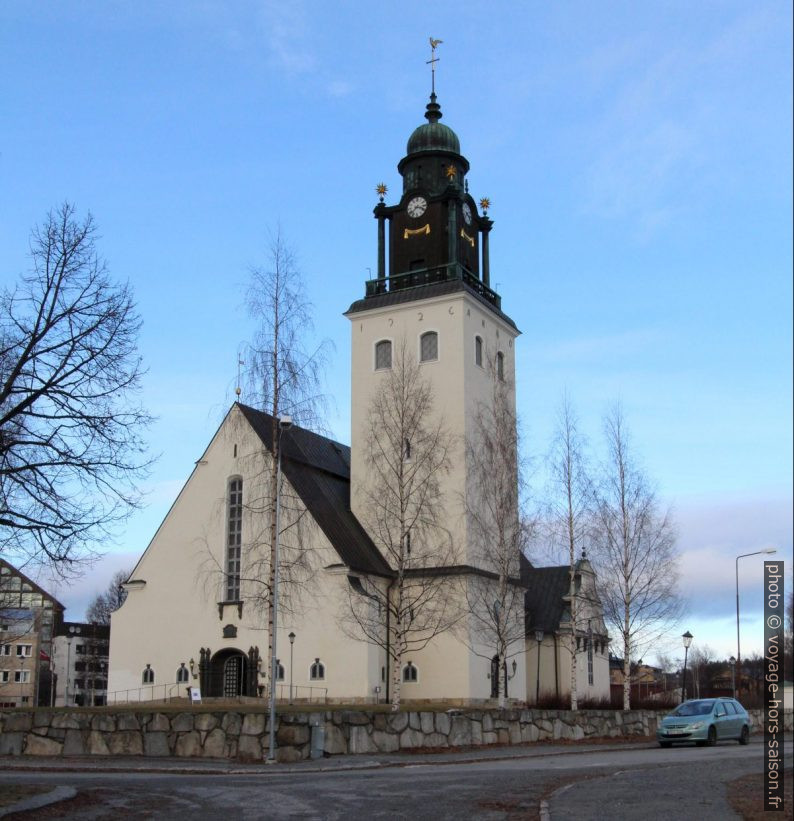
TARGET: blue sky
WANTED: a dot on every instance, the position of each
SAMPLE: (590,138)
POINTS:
(637,156)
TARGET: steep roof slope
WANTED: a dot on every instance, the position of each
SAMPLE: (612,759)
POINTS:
(319,470)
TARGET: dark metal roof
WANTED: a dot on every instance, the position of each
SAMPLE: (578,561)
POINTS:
(319,470)
(401,295)
(544,600)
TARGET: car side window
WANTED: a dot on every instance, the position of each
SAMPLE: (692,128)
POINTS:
(721,710)
(730,707)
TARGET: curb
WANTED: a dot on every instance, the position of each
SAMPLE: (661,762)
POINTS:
(36,802)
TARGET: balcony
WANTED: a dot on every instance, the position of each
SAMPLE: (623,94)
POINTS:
(431,276)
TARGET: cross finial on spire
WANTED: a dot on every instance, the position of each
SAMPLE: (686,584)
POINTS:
(434,44)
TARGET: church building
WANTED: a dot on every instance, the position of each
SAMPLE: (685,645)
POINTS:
(196,611)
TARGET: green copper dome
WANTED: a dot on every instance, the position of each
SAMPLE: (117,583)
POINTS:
(433,136)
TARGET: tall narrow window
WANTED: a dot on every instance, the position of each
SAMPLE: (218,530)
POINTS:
(410,673)
(500,365)
(407,450)
(182,674)
(234,535)
(428,346)
(590,662)
(317,671)
(279,670)
(478,350)
(147,677)
(408,543)
(383,354)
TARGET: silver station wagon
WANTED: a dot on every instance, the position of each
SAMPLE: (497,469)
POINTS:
(705,721)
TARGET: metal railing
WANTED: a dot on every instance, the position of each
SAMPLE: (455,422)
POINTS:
(178,691)
(430,276)
(149,692)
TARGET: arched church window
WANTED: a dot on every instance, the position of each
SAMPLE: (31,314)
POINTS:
(382,355)
(410,673)
(317,671)
(428,346)
(500,366)
(148,675)
(182,674)
(478,351)
(234,538)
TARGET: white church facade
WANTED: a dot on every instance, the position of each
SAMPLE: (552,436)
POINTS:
(196,612)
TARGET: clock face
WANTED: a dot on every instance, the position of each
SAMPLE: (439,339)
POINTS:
(416,207)
(467,213)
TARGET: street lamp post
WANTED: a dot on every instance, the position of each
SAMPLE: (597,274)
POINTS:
(687,637)
(539,639)
(769,550)
(291,647)
(284,423)
(732,662)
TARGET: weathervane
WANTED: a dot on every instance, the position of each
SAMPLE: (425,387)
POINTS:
(432,62)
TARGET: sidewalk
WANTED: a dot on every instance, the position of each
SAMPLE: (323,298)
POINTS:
(217,766)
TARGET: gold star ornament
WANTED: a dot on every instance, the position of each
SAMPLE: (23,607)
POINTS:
(381,189)
(485,204)
(451,172)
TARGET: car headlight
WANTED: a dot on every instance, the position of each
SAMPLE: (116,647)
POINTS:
(697,725)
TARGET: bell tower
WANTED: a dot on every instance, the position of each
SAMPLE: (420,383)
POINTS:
(434,232)
(432,298)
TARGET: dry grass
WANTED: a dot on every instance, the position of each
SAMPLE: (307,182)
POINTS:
(746,796)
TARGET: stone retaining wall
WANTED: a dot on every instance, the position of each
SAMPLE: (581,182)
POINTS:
(244,735)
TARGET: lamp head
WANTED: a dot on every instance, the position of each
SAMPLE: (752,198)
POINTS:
(687,637)
(291,638)
(770,550)
(285,422)
(539,636)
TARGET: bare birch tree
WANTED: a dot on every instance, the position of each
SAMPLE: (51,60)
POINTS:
(569,513)
(72,449)
(283,379)
(495,603)
(109,600)
(635,552)
(408,450)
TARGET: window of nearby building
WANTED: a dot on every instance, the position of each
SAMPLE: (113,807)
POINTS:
(79,684)
(147,676)
(234,538)
(5,650)
(182,674)
(478,351)
(4,675)
(500,365)
(428,347)
(279,671)
(24,650)
(410,673)
(79,649)
(407,450)
(382,355)
(317,671)
(408,543)
(22,676)
(590,662)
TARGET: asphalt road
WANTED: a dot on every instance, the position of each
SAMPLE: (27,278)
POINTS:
(620,783)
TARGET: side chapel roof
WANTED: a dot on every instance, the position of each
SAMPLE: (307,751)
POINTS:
(544,600)
(319,470)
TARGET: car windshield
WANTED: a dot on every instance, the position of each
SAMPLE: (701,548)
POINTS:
(694,708)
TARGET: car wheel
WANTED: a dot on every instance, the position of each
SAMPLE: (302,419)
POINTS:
(744,738)
(665,743)
(712,736)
